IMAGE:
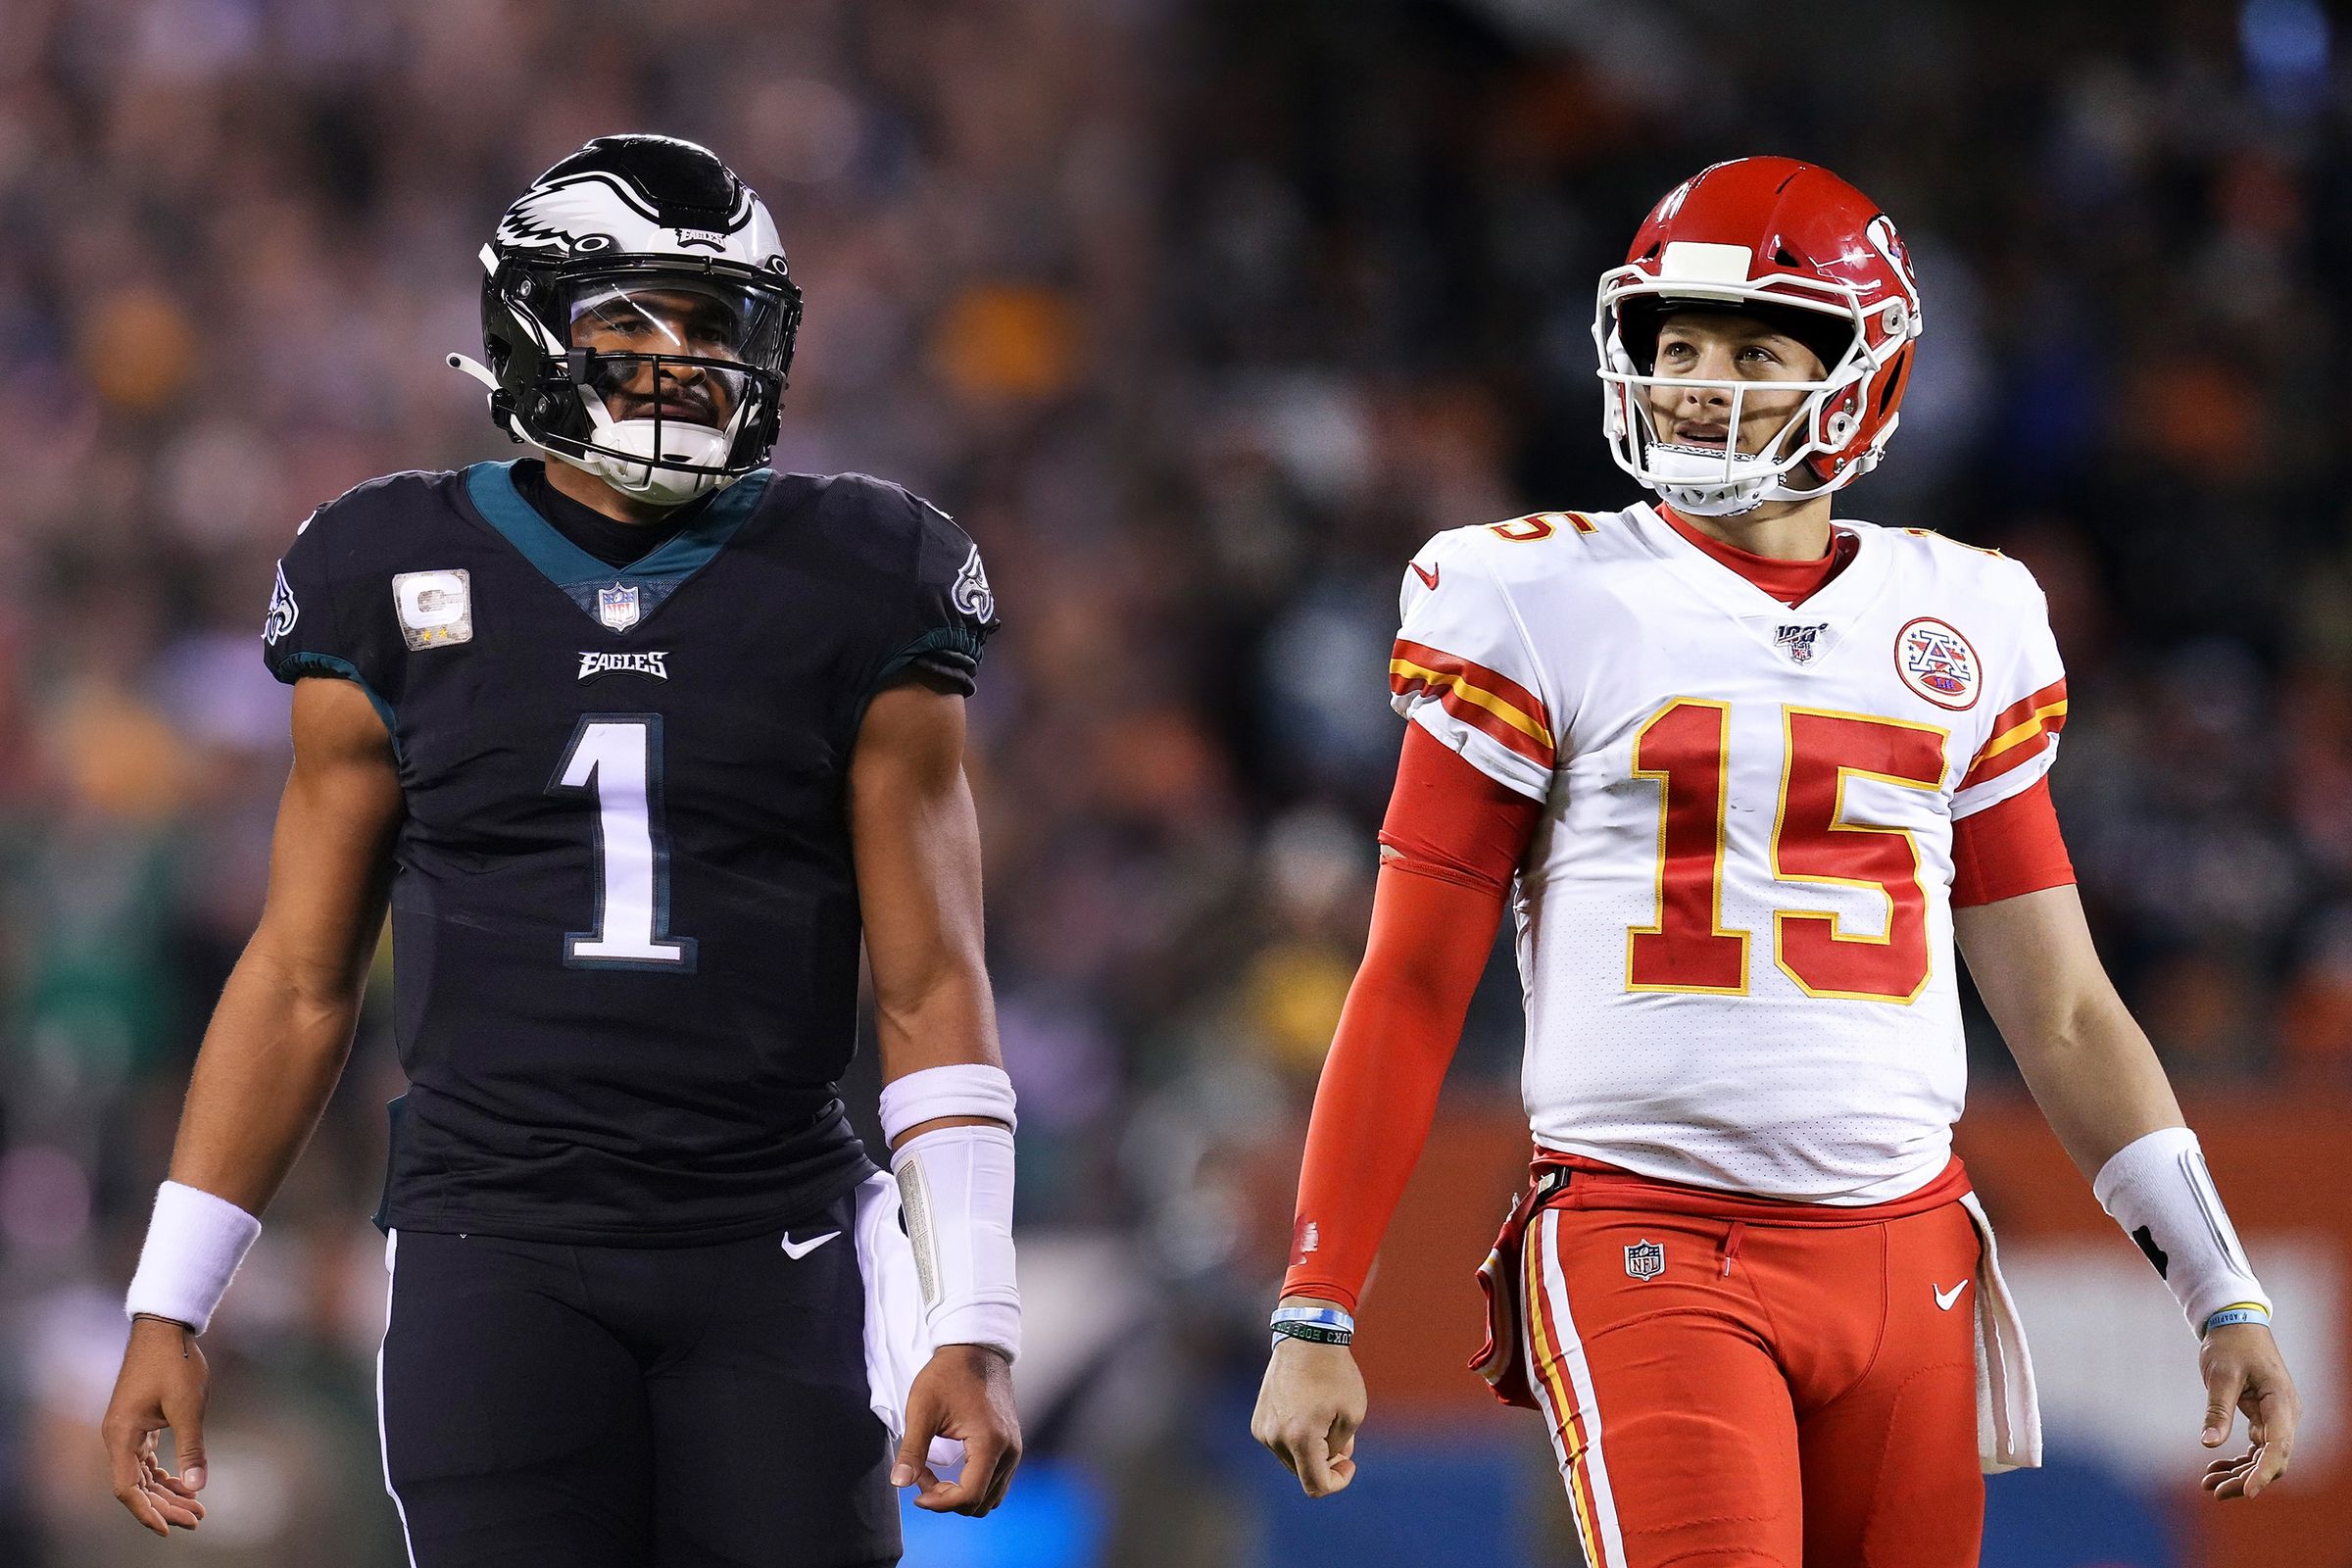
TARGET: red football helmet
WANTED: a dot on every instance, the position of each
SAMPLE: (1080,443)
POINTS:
(1794,243)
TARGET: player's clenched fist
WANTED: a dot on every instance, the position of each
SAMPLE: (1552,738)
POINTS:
(1310,1409)
(2243,1371)
(160,1385)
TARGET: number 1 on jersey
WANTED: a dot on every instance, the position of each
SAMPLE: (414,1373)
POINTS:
(1684,748)
(617,758)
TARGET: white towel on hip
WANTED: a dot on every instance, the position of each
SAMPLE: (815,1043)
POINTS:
(2008,1415)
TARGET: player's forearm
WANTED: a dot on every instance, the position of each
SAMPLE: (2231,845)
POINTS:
(1379,1092)
(2097,1078)
(948,1020)
(1371,1120)
(2088,1063)
(270,1059)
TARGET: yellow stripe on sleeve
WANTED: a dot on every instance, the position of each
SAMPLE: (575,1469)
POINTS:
(1440,680)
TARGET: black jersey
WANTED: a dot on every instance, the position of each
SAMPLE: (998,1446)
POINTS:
(624,920)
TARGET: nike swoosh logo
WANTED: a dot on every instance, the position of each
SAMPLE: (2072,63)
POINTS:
(1945,1298)
(801,1250)
(1427,577)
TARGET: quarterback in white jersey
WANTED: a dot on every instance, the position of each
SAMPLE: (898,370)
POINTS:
(1744,777)
(1746,830)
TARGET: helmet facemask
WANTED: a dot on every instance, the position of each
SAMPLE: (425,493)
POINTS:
(662,378)
(1811,454)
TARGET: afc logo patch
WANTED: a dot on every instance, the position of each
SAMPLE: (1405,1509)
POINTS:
(1798,642)
(1645,1260)
(1937,664)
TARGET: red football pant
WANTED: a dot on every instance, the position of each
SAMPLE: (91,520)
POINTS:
(1797,1395)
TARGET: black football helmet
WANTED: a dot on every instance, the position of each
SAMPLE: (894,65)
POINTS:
(638,319)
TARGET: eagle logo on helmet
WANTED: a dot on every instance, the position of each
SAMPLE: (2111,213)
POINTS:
(594,212)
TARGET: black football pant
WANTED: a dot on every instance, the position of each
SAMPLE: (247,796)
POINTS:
(556,1406)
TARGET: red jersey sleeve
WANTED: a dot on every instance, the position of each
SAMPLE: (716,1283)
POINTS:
(2009,849)
(1452,839)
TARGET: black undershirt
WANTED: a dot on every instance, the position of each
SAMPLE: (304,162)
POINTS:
(614,543)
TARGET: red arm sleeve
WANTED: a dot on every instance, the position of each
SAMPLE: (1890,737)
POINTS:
(2009,849)
(1452,839)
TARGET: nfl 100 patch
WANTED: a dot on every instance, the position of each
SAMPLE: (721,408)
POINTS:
(1799,641)
(1937,664)
(617,608)
(1644,1260)
(435,608)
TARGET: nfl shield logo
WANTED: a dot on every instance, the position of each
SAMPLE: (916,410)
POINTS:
(1646,1260)
(616,606)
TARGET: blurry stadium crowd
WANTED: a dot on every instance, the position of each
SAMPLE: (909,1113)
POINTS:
(1200,316)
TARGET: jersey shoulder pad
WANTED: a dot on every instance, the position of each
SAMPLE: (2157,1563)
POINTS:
(1526,549)
(1980,565)
(382,505)
(936,608)
(324,615)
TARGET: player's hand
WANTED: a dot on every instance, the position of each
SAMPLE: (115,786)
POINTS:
(160,1385)
(965,1393)
(1309,1408)
(2243,1371)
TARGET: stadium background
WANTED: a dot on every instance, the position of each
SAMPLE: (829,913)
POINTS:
(1199,315)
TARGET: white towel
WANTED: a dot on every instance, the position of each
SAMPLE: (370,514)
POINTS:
(2008,1415)
(897,1345)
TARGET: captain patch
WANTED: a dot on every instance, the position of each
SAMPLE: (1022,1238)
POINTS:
(435,608)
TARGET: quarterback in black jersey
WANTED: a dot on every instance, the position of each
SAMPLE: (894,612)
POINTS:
(637,741)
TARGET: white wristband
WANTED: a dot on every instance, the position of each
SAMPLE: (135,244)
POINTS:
(959,1089)
(194,1243)
(955,1195)
(2158,1190)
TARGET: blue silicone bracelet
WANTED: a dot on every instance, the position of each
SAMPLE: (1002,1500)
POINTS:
(1330,1317)
(2230,1315)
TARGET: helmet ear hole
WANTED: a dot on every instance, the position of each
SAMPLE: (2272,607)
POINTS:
(1838,428)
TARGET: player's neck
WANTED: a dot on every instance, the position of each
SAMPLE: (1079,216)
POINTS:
(578,484)
(1779,530)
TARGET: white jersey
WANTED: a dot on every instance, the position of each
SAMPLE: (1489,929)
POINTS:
(1734,919)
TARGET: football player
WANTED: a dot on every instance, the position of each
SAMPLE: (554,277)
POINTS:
(1742,773)
(637,741)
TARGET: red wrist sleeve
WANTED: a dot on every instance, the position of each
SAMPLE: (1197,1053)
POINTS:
(1450,843)
(2009,849)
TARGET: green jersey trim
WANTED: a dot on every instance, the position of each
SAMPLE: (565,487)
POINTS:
(490,486)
